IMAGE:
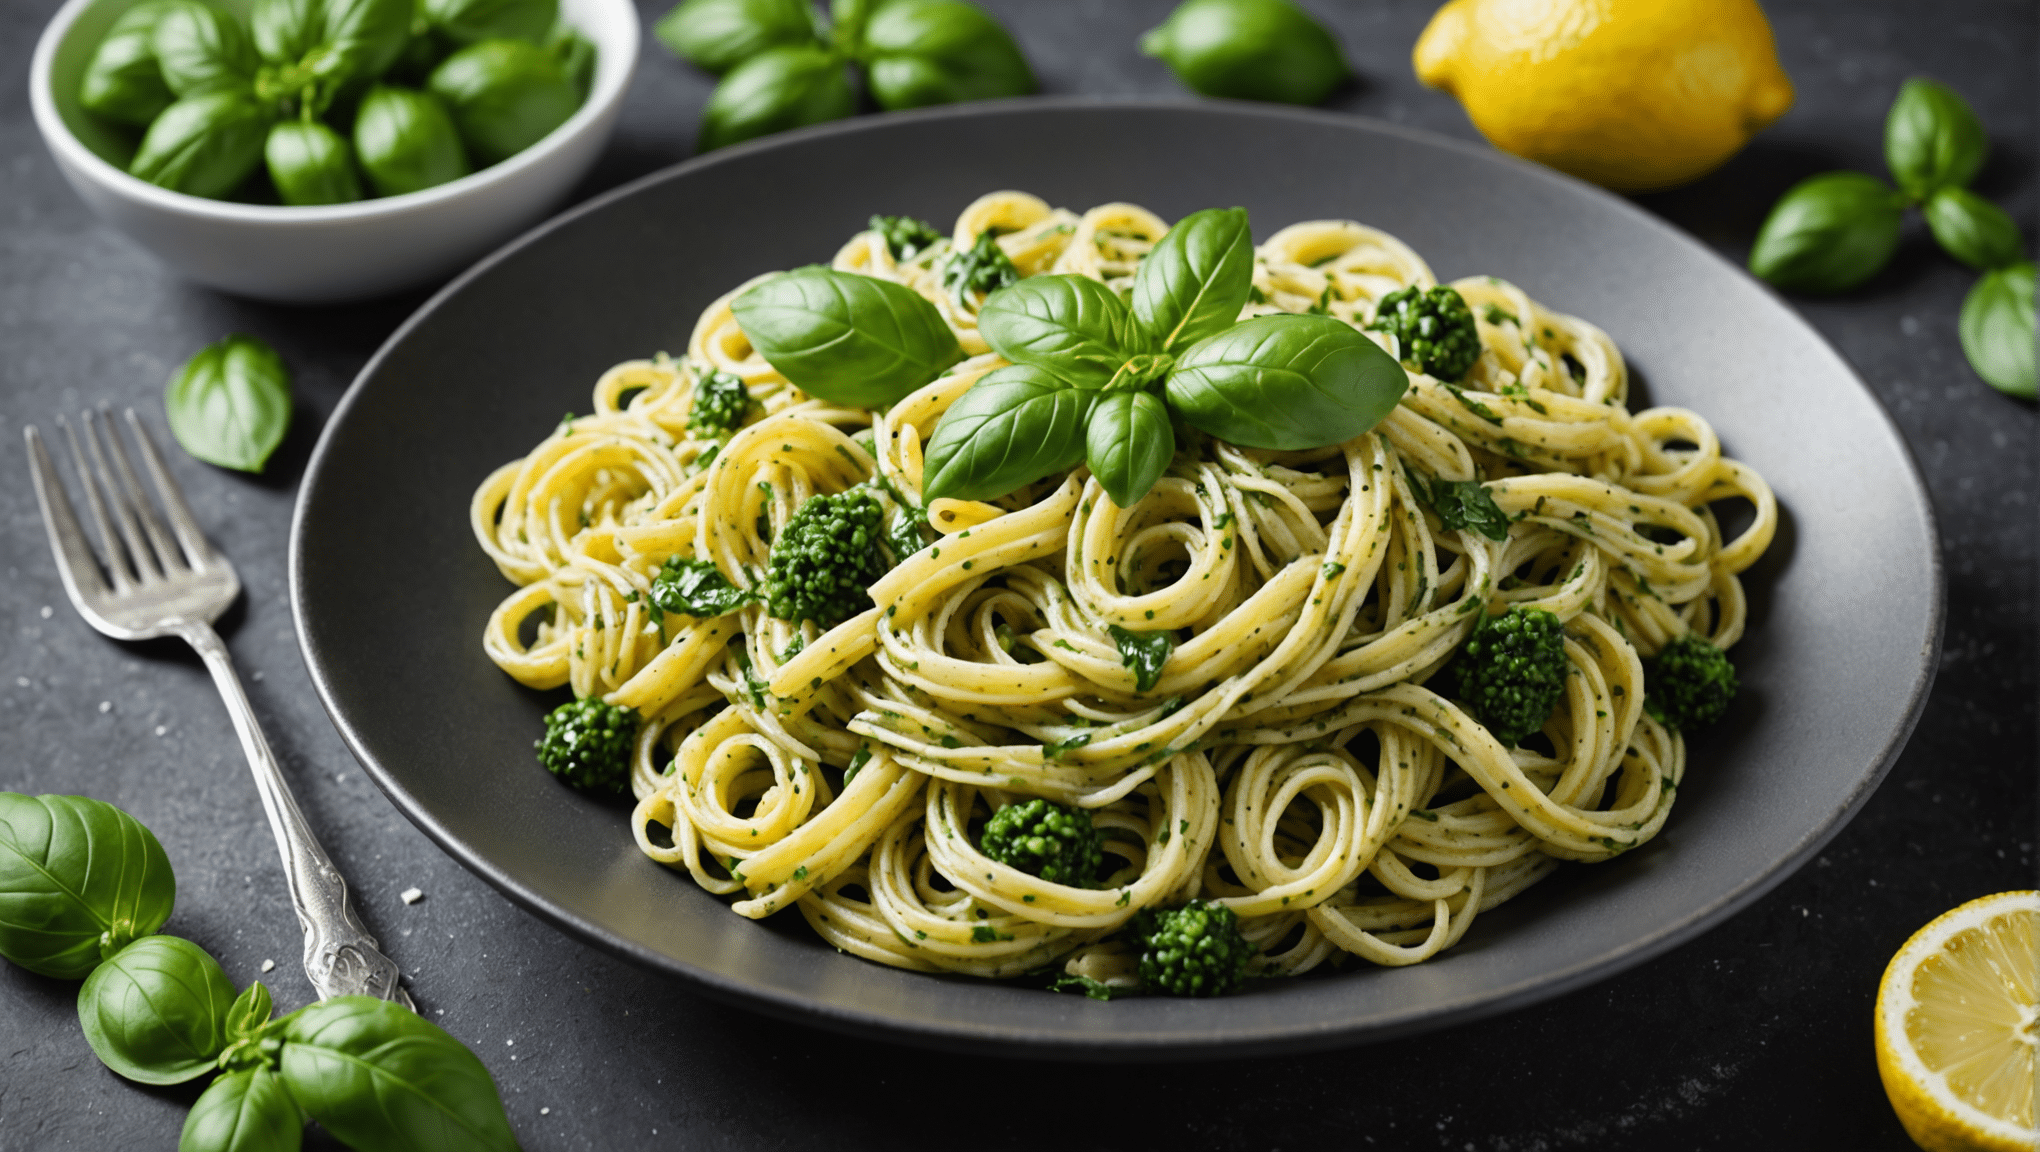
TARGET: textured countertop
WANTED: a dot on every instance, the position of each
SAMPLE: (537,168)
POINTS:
(1757,1035)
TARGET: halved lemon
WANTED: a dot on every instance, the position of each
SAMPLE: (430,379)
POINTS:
(1958,1022)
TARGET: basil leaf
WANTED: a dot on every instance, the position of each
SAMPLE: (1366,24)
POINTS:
(122,81)
(1249,50)
(286,30)
(1144,653)
(1828,233)
(244,1111)
(1463,504)
(1932,139)
(778,89)
(406,142)
(718,35)
(310,164)
(156,1011)
(249,1011)
(504,96)
(377,1075)
(1286,382)
(697,588)
(467,21)
(1972,229)
(364,37)
(922,52)
(1128,443)
(905,236)
(230,404)
(577,59)
(1997,329)
(852,339)
(204,145)
(201,49)
(79,879)
(1072,326)
(1013,427)
(1196,279)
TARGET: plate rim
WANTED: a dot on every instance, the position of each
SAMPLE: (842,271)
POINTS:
(1236,1041)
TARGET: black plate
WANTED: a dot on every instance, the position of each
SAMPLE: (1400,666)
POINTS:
(391,592)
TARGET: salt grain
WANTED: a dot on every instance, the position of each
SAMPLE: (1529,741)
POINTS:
(411,895)
(268,965)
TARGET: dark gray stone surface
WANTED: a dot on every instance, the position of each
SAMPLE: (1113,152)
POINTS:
(1756,1035)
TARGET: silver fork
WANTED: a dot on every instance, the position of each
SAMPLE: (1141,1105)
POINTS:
(162,587)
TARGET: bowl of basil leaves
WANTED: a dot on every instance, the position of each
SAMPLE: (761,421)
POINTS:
(317,151)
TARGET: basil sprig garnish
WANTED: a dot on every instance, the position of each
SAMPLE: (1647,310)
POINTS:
(853,339)
(1834,231)
(82,886)
(1177,352)
(783,66)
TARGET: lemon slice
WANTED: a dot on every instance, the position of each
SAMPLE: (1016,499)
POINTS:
(1957,1027)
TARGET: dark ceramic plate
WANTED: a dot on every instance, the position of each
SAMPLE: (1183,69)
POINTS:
(391,592)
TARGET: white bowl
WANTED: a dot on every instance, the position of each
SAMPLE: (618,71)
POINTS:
(331,252)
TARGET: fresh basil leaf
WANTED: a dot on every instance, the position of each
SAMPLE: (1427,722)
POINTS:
(906,237)
(1828,233)
(852,339)
(1249,50)
(577,59)
(364,37)
(156,1011)
(1128,443)
(1014,426)
(1997,329)
(1196,279)
(202,49)
(1932,139)
(310,164)
(504,96)
(778,89)
(1462,504)
(1972,229)
(469,21)
(922,52)
(979,270)
(246,1110)
(1143,653)
(697,588)
(230,404)
(376,1075)
(903,536)
(122,81)
(79,879)
(406,142)
(286,30)
(249,1011)
(204,145)
(1071,326)
(718,35)
(1286,382)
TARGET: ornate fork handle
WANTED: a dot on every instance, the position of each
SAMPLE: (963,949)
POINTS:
(341,958)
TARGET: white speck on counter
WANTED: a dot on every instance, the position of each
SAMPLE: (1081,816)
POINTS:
(106,705)
(439,1011)
(21,680)
(411,895)
(1910,325)
(258,674)
(545,1111)
(268,965)
(160,729)
(508,1043)
(46,610)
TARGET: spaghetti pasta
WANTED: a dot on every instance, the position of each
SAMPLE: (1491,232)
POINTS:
(1289,760)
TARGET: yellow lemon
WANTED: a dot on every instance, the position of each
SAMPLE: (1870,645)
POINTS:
(1958,1019)
(1630,94)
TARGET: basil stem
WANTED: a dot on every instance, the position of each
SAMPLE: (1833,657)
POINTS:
(1013,427)
(853,339)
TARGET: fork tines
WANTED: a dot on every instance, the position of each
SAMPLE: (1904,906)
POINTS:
(137,551)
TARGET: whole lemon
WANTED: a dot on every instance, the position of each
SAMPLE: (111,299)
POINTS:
(1630,94)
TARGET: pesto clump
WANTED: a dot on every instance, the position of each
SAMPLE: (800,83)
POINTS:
(721,402)
(1688,684)
(588,744)
(1512,672)
(826,559)
(1045,839)
(1435,330)
(1194,950)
